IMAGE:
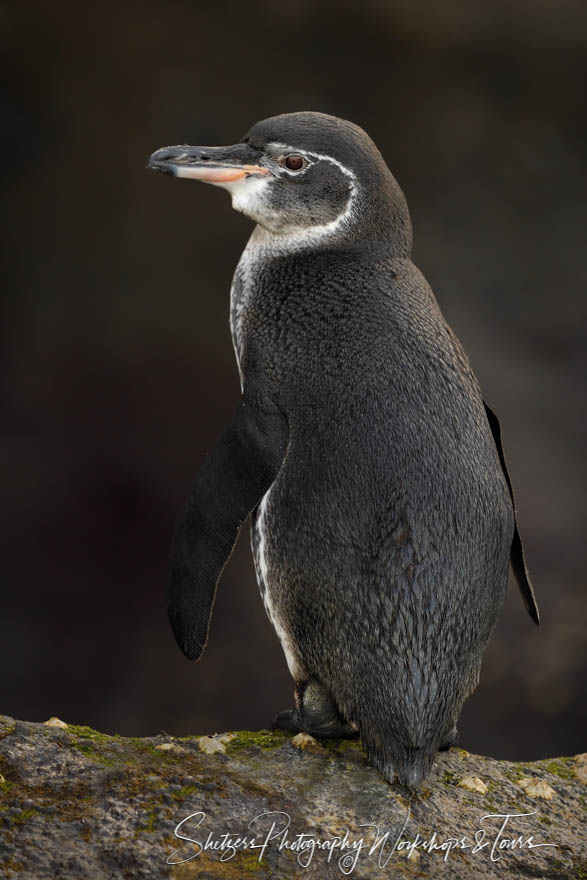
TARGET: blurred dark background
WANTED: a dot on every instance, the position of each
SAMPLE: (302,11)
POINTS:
(118,371)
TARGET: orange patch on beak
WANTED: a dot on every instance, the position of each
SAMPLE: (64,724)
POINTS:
(218,173)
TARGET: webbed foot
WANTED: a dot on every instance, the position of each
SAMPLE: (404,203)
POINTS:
(315,714)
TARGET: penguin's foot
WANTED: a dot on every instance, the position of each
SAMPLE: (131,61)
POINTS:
(290,720)
(449,741)
(315,714)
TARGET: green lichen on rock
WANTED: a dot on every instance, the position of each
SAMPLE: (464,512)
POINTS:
(516,770)
(343,746)
(184,792)
(91,753)
(262,739)
(7,729)
(252,863)
(563,767)
(462,753)
(89,733)
(23,816)
(449,777)
(150,823)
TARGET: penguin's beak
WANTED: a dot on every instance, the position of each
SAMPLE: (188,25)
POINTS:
(210,164)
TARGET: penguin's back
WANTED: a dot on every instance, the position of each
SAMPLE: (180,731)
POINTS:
(377,390)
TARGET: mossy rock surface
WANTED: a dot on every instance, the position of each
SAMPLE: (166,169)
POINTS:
(76,803)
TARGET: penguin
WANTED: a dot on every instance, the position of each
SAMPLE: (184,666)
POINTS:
(382,512)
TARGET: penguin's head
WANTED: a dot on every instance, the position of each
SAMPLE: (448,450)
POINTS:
(305,177)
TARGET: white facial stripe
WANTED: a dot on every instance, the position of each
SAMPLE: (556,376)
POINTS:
(312,234)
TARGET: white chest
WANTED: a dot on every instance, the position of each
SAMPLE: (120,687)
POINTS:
(241,295)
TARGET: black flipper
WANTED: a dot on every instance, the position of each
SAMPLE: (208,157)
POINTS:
(517,552)
(231,483)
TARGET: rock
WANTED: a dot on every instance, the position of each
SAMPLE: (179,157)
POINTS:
(305,742)
(473,783)
(56,722)
(89,805)
(170,747)
(536,788)
(210,745)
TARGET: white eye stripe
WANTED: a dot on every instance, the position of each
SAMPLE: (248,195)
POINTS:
(278,153)
(311,158)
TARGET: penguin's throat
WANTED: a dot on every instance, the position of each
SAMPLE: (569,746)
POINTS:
(252,196)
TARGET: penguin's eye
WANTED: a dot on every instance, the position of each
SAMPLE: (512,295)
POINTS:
(294,162)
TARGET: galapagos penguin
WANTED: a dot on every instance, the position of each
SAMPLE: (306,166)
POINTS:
(383,519)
